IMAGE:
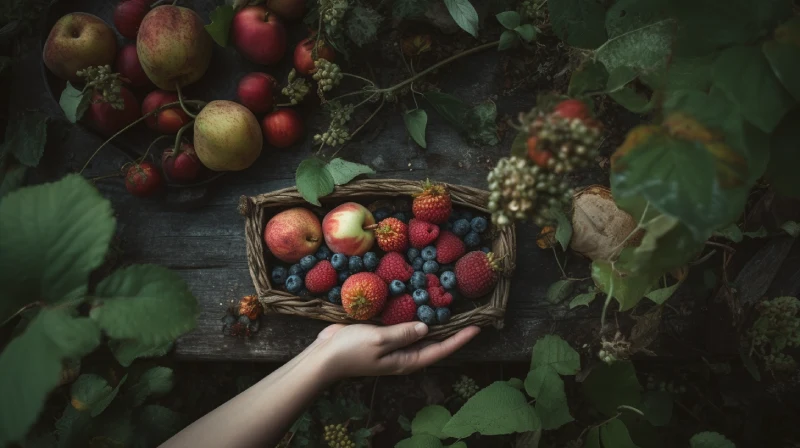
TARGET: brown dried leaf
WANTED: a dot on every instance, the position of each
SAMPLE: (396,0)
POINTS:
(546,238)
(598,225)
(645,331)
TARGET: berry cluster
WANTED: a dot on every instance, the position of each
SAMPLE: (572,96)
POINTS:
(777,328)
(328,75)
(466,387)
(103,81)
(534,11)
(296,88)
(332,12)
(337,132)
(336,436)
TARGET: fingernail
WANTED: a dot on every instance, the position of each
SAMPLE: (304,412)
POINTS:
(421,329)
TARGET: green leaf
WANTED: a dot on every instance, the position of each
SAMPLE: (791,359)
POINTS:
(749,363)
(792,228)
(343,171)
(583,299)
(710,440)
(507,40)
(404,9)
(155,424)
(31,364)
(146,303)
(593,438)
(610,386)
(509,19)
(760,233)
(362,438)
(72,428)
(784,156)
(26,135)
(591,76)
(643,49)
(628,15)
(620,77)
(785,62)
(416,120)
(627,288)
(430,420)
(655,228)
(519,147)
(220,26)
(682,74)
(452,109)
(92,393)
(464,15)
(48,250)
(74,102)
(544,384)
(559,291)
(657,407)
(527,32)
(313,180)
(564,227)
(661,295)
(555,352)
(615,434)
(12,176)
(516,383)
(481,123)
(579,23)
(362,25)
(457,445)
(420,441)
(155,382)
(127,350)
(731,232)
(497,409)
(745,75)
(632,100)
(405,425)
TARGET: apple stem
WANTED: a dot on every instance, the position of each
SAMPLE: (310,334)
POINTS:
(141,159)
(158,3)
(180,100)
(370,227)
(107,176)
(285,105)
(177,149)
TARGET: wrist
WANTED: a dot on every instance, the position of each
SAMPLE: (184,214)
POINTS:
(320,363)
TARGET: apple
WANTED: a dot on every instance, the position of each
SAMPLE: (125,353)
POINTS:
(128,16)
(182,166)
(304,58)
(287,9)
(256,92)
(129,67)
(143,179)
(168,121)
(259,35)
(78,41)
(107,120)
(282,128)
(292,234)
(227,136)
(174,46)
(345,230)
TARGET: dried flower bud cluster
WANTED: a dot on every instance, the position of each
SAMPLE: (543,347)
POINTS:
(617,349)
(332,12)
(337,132)
(777,328)
(328,75)
(466,387)
(296,88)
(534,11)
(105,82)
(336,436)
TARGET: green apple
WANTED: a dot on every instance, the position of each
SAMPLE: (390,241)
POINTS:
(78,41)
(345,229)
(227,136)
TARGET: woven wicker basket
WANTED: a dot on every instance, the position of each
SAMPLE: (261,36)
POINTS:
(259,209)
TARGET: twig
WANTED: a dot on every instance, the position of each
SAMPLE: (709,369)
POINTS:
(555,254)
(353,134)
(177,148)
(723,246)
(22,310)
(141,159)
(372,400)
(704,258)
(180,100)
(358,77)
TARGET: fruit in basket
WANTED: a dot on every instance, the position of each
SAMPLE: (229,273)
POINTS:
(345,231)
(472,239)
(128,15)
(430,267)
(355,264)
(77,41)
(398,310)
(256,91)
(396,287)
(304,55)
(448,279)
(143,179)
(433,204)
(422,233)
(393,266)
(371,261)
(476,274)
(259,35)
(439,297)
(287,9)
(449,248)
(227,136)
(182,166)
(294,284)
(443,315)
(392,235)
(419,280)
(129,67)
(282,128)
(335,295)
(420,297)
(106,119)
(461,227)
(292,234)
(426,314)
(167,121)
(174,46)
(321,278)
(364,295)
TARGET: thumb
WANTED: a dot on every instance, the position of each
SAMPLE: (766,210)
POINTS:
(401,335)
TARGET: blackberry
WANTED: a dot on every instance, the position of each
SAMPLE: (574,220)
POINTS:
(430,267)
(371,261)
(279,275)
(296,269)
(420,297)
(461,227)
(426,314)
(381,214)
(323,253)
(402,216)
(308,262)
(448,279)
(343,276)
(412,254)
(419,280)
(396,287)
(335,295)
(479,224)
(355,264)
(472,239)
(294,284)
(418,263)
(465,387)
(339,262)
(429,253)
(443,315)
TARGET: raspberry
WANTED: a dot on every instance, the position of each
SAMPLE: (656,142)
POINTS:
(393,266)
(433,280)
(422,233)
(321,278)
(433,204)
(392,235)
(449,248)
(476,274)
(364,295)
(398,310)
(439,297)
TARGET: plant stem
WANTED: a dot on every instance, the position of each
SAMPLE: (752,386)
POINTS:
(353,134)
(609,296)
(107,176)
(555,254)
(630,408)
(158,139)
(177,149)
(180,100)
(350,75)
(285,105)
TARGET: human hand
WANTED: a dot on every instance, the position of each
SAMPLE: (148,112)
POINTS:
(368,350)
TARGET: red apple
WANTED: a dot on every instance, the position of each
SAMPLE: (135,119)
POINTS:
(287,9)
(282,128)
(129,67)
(143,179)
(107,120)
(183,166)
(78,41)
(168,121)
(128,16)
(292,234)
(344,229)
(304,58)
(257,92)
(259,35)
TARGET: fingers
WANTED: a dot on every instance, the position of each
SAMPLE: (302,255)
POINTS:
(409,360)
(400,335)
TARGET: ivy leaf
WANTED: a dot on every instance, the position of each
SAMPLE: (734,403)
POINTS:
(583,299)
(559,291)
(792,228)
(420,441)
(430,420)
(404,9)
(628,15)
(416,120)
(615,433)
(220,26)
(610,386)
(450,107)
(628,288)
(74,102)
(527,32)
(155,382)
(555,352)
(31,364)
(481,124)
(155,424)
(632,100)
(362,25)
(785,62)
(657,407)
(710,440)
(590,76)
(48,251)
(507,40)
(92,393)
(497,409)
(26,135)
(544,384)
(646,48)
(564,227)
(343,171)
(593,438)
(519,147)
(127,350)
(661,295)
(784,158)
(313,180)
(516,383)
(12,176)
(72,428)
(464,15)
(509,19)
(579,23)
(146,303)
(731,232)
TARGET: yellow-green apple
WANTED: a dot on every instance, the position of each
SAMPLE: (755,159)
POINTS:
(259,35)
(227,136)
(346,229)
(78,41)
(292,234)
(173,46)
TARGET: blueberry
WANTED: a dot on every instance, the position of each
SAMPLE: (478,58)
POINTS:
(296,269)
(461,227)
(426,314)
(371,261)
(355,264)
(429,253)
(412,254)
(339,261)
(417,263)
(448,279)
(420,297)
(402,216)
(335,295)
(485,250)
(294,284)
(472,239)
(419,280)
(308,262)
(279,275)
(396,287)
(430,267)
(466,214)
(343,276)
(323,253)
(381,214)
(446,267)
(479,224)
(443,315)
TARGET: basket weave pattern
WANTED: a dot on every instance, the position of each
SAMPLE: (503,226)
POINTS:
(257,210)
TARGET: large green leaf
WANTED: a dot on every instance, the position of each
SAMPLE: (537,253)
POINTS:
(552,351)
(26,135)
(497,409)
(657,407)
(591,76)
(51,237)
(154,382)
(785,156)
(610,386)
(710,440)
(362,25)
(430,420)
(416,121)
(127,350)
(579,23)
(343,171)
(72,428)
(93,393)
(615,434)
(420,441)
(220,26)
(628,15)
(464,15)
(683,74)
(544,384)
(146,303)
(313,180)
(74,102)
(12,176)
(450,107)
(627,288)
(31,364)
(642,49)
(785,62)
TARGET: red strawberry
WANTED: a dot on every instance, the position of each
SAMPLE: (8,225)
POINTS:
(393,266)
(476,274)
(143,179)
(392,235)
(422,233)
(439,297)
(433,280)
(572,109)
(364,295)
(321,278)
(449,248)
(433,204)
(398,310)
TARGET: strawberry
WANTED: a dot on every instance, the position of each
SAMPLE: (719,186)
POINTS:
(476,274)
(364,295)
(439,297)
(433,204)
(572,109)
(321,278)
(422,233)
(143,179)
(392,235)
(393,266)
(433,280)
(398,310)
(449,248)
(538,156)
